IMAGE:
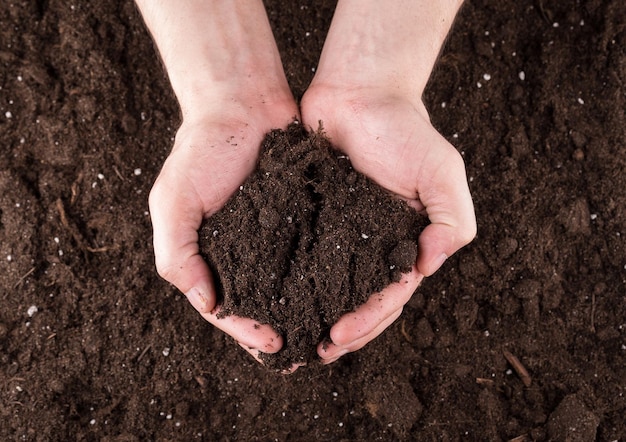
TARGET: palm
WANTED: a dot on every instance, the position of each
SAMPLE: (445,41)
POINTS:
(209,162)
(391,140)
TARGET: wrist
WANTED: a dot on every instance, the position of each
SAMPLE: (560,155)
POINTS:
(373,45)
(216,52)
(238,96)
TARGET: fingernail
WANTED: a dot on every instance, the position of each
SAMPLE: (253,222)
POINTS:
(439,261)
(195,297)
(335,357)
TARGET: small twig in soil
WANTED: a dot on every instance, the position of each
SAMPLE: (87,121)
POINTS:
(71,227)
(26,275)
(101,249)
(117,172)
(75,189)
(593,312)
(16,379)
(201,380)
(297,328)
(518,367)
(143,353)
(62,214)
(484,381)
(78,237)
(543,12)
(404,332)
(522,438)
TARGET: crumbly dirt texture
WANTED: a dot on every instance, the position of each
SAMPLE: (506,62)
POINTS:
(95,346)
(305,240)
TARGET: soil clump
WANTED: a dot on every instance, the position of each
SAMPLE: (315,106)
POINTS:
(305,240)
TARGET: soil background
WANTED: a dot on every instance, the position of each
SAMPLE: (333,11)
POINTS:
(94,346)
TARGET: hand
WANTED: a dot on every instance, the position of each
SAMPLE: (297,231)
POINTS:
(225,69)
(367,92)
(390,139)
(211,158)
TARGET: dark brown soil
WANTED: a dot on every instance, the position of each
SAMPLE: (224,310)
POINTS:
(305,240)
(94,346)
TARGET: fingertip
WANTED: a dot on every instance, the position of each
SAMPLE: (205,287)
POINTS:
(355,325)
(247,332)
(329,352)
(323,347)
(256,354)
(263,337)
(438,242)
(429,266)
(342,333)
(274,344)
(200,299)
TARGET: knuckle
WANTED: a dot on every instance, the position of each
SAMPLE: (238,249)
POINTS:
(155,195)
(166,269)
(469,233)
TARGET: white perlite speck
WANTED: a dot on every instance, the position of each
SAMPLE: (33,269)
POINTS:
(32,310)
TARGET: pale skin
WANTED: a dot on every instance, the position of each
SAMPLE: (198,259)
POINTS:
(226,72)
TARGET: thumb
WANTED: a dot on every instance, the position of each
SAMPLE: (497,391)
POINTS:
(449,206)
(176,217)
(437,243)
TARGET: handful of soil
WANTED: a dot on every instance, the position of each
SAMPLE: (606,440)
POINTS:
(306,240)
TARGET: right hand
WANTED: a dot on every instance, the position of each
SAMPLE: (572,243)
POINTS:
(390,139)
(212,156)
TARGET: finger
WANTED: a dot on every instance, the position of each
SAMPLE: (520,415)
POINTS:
(256,354)
(332,353)
(255,337)
(448,204)
(293,368)
(440,190)
(356,329)
(380,306)
(175,221)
